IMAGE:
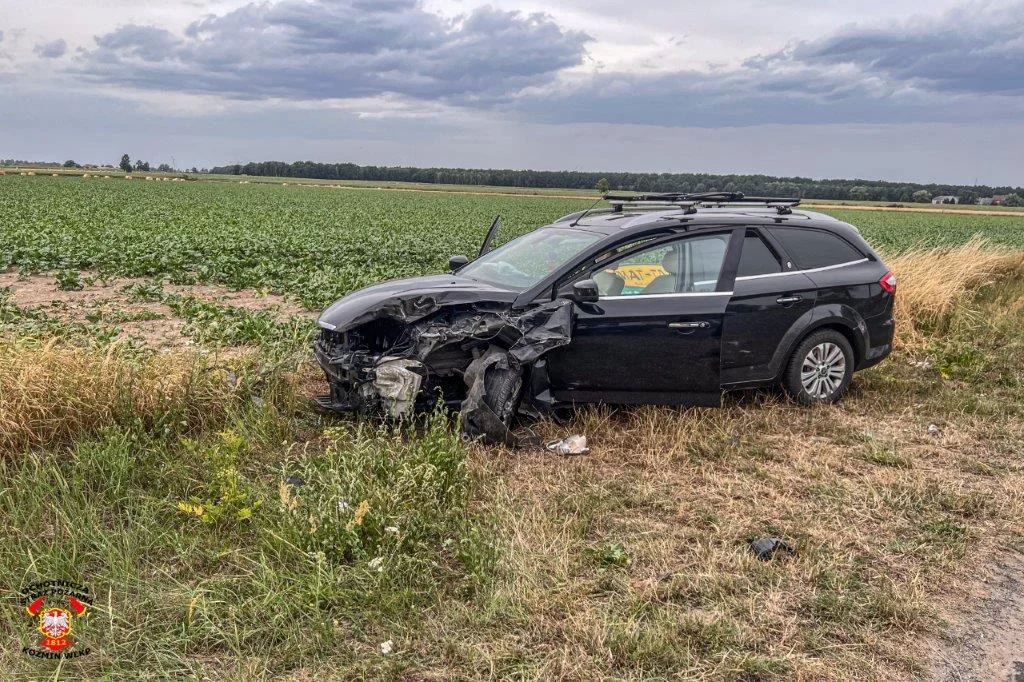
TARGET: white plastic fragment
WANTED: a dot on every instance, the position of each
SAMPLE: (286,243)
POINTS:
(573,445)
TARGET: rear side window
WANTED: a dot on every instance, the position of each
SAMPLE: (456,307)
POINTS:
(815,248)
(757,258)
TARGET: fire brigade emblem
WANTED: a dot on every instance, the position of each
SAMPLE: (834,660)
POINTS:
(55,606)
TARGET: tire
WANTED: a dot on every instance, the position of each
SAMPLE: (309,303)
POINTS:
(504,388)
(820,369)
(493,390)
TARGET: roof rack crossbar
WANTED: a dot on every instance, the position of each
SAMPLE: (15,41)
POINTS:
(690,201)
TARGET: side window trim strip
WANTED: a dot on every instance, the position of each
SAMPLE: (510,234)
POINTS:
(803,272)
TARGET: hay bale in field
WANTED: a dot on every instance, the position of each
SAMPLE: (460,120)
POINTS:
(54,174)
(106,177)
(31,172)
(127,177)
(149,177)
(23,173)
(85,176)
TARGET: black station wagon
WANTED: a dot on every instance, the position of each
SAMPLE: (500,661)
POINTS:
(660,299)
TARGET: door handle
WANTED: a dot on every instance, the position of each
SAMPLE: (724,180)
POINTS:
(689,325)
(789,299)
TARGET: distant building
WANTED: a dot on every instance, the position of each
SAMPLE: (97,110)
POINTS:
(998,199)
(986,201)
(946,199)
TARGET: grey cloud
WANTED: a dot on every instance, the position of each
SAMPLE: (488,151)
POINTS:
(957,67)
(52,50)
(962,66)
(324,49)
(977,48)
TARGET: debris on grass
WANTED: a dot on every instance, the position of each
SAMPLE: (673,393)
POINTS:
(766,549)
(573,445)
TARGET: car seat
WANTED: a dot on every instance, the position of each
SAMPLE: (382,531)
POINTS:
(609,282)
(666,284)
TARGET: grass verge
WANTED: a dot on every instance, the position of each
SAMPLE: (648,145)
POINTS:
(229,533)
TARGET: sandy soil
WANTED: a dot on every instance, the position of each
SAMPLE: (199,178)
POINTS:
(987,642)
(152,323)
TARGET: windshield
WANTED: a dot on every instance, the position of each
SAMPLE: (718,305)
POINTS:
(525,261)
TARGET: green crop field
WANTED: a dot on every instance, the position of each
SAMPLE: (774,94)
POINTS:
(159,444)
(317,243)
(311,242)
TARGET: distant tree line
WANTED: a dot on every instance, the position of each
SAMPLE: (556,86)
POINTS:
(807,188)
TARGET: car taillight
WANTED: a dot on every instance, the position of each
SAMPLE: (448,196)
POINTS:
(888,283)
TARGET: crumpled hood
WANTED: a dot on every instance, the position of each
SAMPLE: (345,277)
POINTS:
(409,300)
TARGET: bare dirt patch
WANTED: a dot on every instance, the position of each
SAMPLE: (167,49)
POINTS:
(107,301)
(913,209)
(986,642)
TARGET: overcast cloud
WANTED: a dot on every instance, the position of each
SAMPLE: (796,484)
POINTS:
(383,74)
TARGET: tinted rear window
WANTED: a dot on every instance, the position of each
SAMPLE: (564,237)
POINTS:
(757,258)
(815,248)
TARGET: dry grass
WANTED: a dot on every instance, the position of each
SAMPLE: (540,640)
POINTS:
(933,283)
(56,394)
(683,492)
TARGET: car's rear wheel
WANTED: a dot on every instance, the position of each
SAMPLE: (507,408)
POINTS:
(820,369)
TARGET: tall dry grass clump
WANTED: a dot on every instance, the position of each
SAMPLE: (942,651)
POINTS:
(55,394)
(934,284)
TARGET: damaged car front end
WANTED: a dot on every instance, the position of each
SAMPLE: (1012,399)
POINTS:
(401,347)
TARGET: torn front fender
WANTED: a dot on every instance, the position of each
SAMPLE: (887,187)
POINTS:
(495,379)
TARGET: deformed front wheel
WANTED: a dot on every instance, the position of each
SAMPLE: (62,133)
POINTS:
(494,387)
(820,369)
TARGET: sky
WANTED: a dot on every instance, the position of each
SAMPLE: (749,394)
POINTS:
(901,90)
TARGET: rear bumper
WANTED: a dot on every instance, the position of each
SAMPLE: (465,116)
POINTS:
(881,330)
(875,355)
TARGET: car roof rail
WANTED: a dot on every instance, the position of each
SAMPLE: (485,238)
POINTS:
(691,201)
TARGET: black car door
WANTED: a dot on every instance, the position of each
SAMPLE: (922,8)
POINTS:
(655,334)
(770,296)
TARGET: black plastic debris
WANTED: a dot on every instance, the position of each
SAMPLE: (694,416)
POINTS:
(765,549)
(295,481)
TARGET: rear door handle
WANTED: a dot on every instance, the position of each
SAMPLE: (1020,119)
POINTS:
(789,299)
(689,325)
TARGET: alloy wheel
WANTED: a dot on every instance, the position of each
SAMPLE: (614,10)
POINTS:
(823,370)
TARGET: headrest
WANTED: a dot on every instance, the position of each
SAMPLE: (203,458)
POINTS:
(670,261)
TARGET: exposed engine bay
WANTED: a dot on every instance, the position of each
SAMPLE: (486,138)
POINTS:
(411,352)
